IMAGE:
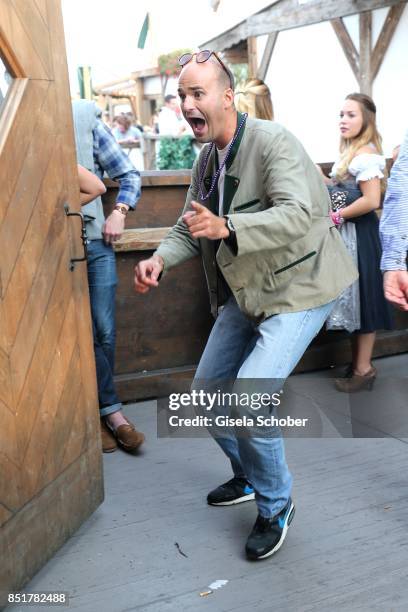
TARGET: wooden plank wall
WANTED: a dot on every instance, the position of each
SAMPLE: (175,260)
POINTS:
(161,335)
(50,456)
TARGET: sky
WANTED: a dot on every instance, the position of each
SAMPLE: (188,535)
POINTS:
(3,80)
(104,34)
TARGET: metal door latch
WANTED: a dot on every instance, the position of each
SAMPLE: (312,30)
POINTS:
(84,236)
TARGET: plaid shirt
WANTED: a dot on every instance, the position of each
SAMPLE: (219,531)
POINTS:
(394,219)
(110,158)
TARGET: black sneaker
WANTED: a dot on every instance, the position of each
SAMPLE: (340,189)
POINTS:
(235,491)
(268,534)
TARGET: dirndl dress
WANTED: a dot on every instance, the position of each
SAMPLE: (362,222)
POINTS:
(362,307)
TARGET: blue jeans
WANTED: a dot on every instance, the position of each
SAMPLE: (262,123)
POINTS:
(239,349)
(102,281)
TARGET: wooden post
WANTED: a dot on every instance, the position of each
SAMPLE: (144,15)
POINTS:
(110,109)
(366,64)
(142,115)
(267,55)
(133,106)
(252,57)
(365,81)
(149,155)
(101,101)
(384,39)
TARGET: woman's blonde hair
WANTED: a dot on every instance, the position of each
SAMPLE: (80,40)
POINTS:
(253,97)
(367,135)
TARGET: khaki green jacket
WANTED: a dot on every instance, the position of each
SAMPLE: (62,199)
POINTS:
(290,256)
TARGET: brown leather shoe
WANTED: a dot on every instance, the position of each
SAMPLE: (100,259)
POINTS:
(355,382)
(128,437)
(109,444)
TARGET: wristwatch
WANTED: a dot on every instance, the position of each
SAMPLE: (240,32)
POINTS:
(231,240)
(122,209)
(230,227)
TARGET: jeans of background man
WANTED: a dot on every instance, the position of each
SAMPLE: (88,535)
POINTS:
(239,349)
(102,279)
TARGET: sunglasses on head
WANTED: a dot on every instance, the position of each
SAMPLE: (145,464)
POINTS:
(203,56)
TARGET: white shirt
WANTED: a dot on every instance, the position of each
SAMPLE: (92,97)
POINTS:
(367,166)
(169,125)
(364,167)
(221,179)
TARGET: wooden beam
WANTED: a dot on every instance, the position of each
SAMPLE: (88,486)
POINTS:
(238,54)
(384,39)
(347,45)
(146,72)
(111,84)
(252,57)
(142,239)
(267,55)
(365,53)
(158,178)
(289,14)
(227,39)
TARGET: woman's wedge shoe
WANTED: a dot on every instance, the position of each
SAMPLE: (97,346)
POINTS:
(356,383)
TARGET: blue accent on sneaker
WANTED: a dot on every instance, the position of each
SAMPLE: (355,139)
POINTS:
(282,520)
(234,491)
(268,534)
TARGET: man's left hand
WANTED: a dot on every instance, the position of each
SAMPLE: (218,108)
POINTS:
(114,226)
(202,223)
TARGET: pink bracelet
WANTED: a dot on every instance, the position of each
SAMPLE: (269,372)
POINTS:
(336,218)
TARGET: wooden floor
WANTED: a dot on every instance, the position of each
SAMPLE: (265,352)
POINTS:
(347,549)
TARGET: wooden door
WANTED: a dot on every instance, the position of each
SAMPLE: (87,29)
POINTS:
(50,458)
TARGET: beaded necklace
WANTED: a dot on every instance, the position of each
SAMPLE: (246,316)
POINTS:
(204,164)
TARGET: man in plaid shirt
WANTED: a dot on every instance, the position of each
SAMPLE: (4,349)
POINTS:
(99,152)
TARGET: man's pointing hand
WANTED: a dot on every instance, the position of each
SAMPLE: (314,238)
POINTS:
(202,223)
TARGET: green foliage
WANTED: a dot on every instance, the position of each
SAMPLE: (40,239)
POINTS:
(240,72)
(175,153)
(168,62)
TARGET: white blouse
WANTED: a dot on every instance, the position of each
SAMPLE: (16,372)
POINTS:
(364,167)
